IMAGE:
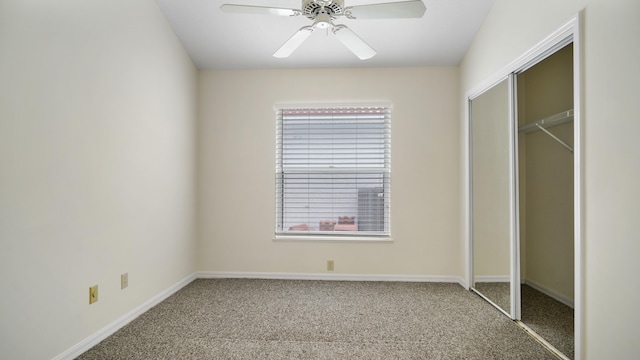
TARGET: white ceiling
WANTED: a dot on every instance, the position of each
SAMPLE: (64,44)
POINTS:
(217,40)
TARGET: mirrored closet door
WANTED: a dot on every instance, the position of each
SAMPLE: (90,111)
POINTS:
(491,195)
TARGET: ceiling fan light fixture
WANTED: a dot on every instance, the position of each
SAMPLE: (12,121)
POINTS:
(323,21)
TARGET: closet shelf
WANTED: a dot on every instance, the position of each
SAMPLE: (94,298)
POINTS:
(553,120)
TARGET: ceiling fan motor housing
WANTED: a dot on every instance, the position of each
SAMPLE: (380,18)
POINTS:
(332,8)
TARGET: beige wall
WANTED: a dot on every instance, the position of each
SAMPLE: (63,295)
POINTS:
(611,167)
(547,184)
(237,157)
(97,120)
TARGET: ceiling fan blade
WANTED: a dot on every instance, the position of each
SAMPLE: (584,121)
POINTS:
(249,9)
(292,44)
(353,42)
(392,10)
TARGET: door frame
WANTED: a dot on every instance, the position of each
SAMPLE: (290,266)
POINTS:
(569,32)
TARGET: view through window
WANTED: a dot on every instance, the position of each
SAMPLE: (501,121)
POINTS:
(333,171)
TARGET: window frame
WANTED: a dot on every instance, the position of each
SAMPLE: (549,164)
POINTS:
(281,233)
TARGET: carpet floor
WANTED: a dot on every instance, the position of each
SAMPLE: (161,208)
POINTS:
(498,292)
(290,319)
(549,318)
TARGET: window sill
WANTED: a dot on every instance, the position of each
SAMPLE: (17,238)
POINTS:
(325,238)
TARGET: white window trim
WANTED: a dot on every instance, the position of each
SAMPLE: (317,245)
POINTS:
(328,237)
(337,238)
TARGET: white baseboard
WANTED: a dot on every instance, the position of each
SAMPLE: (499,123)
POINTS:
(329,277)
(563,299)
(492,278)
(545,290)
(108,330)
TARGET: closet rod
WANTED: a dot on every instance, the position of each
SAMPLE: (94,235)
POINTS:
(553,120)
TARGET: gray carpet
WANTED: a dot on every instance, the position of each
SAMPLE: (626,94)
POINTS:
(285,319)
(498,292)
(551,319)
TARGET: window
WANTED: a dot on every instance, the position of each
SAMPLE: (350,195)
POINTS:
(333,171)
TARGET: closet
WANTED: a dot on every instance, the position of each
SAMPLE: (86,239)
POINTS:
(522,195)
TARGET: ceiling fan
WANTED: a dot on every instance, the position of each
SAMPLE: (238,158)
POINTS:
(322,12)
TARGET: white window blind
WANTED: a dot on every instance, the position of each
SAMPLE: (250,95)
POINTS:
(333,171)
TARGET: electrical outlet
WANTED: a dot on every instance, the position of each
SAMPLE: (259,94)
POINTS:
(330,265)
(124,280)
(93,294)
